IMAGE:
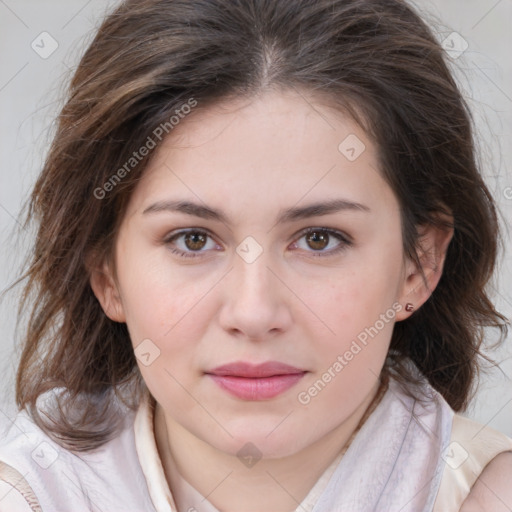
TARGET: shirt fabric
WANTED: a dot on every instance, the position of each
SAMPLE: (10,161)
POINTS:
(410,455)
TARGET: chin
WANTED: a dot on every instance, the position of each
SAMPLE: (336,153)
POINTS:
(258,443)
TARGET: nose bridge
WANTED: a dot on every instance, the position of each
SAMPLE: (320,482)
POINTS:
(252,276)
(254,304)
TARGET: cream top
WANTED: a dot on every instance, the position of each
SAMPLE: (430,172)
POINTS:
(127,474)
(16,495)
(472,446)
(185,496)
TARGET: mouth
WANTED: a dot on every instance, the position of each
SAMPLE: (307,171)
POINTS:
(256,382)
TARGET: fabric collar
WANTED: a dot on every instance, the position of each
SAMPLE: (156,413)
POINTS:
(393,463)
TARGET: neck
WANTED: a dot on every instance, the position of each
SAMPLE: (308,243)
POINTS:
(279,484)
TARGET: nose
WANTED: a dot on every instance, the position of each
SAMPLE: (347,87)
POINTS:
(256,302)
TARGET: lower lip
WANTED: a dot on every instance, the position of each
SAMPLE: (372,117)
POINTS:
(257,388)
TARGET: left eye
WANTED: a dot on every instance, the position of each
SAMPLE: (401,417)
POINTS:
(319,239)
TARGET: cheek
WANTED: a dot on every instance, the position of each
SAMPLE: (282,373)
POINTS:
(354,298)
(355,306)
(158,299)
(166,310)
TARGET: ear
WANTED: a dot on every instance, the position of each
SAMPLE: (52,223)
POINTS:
(433,244)
(105,289)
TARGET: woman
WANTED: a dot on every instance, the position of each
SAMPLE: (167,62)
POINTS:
(260,271)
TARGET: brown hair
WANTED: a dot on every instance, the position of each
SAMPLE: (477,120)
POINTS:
(374,58)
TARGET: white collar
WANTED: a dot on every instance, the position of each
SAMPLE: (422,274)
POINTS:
(394,460)
(158,487)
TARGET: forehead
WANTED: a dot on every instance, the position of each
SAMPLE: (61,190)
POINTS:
(280,146)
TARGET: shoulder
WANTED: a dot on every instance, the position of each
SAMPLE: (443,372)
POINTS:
(12,500)
(108,478)
(492,491)
(474,461)
(26,454)
(16,495)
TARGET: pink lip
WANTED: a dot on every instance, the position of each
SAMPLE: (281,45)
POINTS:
(256,382)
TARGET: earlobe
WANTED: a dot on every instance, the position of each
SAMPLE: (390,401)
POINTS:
(420,281)
(106,291)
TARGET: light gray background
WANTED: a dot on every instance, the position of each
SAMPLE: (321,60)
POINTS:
(30,95)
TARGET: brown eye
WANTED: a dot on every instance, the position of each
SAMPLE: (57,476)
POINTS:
(317,240)
(195,240)
(191,243)
(322,242)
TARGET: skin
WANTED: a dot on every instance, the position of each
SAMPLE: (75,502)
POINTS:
(492,490)
(252,159)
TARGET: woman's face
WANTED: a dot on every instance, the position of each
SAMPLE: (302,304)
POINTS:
(261,232)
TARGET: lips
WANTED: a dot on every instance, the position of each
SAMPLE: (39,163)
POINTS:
(248,370)
(256,382)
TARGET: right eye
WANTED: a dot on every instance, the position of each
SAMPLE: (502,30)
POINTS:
(189,243)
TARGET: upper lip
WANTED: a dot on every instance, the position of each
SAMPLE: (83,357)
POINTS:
(243,369)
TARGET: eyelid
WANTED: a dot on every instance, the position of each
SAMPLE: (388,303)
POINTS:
(345,241)
(181,232)
(341,234)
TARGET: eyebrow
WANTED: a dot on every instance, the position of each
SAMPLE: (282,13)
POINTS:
(288,215)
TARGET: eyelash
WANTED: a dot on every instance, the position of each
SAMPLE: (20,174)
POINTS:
(345,242)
